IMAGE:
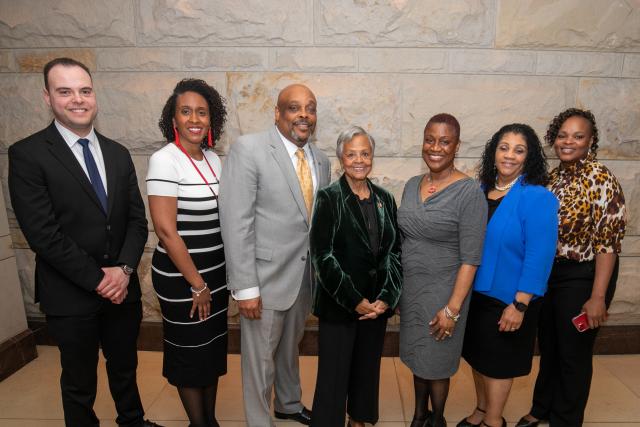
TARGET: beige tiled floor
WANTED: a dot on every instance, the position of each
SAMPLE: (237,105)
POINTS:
(31,397)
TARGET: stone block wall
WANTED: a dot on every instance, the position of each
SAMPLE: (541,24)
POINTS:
(387,65)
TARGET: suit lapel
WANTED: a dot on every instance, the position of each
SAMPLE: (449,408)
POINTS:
(61,151)
(323,180)
(283,160)
(110,168)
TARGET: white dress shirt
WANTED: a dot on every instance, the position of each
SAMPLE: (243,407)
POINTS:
(94,146)
(254,292)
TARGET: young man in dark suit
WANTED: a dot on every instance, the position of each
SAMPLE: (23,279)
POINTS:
(76,198)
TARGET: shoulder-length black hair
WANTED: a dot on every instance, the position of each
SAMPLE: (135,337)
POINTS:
(535,166)
(217,110)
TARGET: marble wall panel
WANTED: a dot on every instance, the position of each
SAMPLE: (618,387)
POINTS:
(6,247)
(66,23)
(202,22)
(631,67)
(26,261)
(628,174)
(34,60)
(569,24)
(616,106)
(404,23)
(624,308)
(579,64)
(312,59)
(23,109)
(492,61)
(7,62)
(4,225)
(138,59)
(402,60)
(12,313)
(631,246)
(220,59)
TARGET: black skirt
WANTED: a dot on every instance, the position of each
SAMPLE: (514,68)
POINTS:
(498,354)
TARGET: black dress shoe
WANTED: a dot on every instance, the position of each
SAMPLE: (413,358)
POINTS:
(148,423)
(303,417)
(526,423)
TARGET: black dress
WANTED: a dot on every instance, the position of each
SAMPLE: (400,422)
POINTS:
(195,352)
(493,353)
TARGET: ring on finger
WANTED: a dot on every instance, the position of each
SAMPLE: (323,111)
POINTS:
(447,333)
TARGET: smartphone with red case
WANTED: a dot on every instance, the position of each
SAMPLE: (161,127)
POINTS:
(581,322)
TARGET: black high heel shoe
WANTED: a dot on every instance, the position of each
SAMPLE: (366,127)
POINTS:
(421,422)
(465,423)
(504,423)
(436,423)
(523,422)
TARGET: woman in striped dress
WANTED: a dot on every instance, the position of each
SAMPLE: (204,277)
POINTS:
(188,265)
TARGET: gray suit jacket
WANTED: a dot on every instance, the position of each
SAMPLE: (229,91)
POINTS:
(264,220)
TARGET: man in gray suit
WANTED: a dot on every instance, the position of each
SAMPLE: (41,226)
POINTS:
(267,187)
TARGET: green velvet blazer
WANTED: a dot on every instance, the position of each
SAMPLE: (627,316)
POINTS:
(345,267)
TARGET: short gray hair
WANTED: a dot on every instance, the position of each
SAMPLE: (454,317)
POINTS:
(350,133)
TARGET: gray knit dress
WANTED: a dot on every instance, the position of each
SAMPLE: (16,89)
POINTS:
(439,235)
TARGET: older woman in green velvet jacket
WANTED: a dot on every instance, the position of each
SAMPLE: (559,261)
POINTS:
(355,250)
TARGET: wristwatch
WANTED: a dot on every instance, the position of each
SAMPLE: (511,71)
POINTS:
(520,306)
(127,270)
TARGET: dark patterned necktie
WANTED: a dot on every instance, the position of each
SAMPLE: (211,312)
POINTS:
(94,174)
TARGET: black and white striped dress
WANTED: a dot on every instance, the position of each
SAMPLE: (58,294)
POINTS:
(195,352)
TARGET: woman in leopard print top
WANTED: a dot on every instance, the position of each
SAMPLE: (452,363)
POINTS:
(592,219)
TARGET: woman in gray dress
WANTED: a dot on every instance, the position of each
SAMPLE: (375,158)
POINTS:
(442,219)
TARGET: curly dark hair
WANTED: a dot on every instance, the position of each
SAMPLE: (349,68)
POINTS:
(535,166)
(558,121)
(217,110)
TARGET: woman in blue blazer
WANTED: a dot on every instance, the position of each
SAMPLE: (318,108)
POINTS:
(518,253)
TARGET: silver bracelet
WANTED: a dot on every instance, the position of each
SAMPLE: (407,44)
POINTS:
(198,292)
(449,314)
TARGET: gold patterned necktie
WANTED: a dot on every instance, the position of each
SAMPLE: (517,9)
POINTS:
(304,177)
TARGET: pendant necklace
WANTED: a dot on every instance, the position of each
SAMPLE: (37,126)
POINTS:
(432,187)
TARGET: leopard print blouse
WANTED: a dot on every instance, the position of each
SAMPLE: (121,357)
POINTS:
(592,215)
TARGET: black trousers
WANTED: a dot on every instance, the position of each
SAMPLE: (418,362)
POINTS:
(348,371)
(562,387)
(115,328)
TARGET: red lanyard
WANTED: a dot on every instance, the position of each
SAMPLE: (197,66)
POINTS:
(198,170)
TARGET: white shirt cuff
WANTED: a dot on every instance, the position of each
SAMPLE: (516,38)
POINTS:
(243,294)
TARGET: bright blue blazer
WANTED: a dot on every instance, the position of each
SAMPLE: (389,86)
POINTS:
(520,244)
